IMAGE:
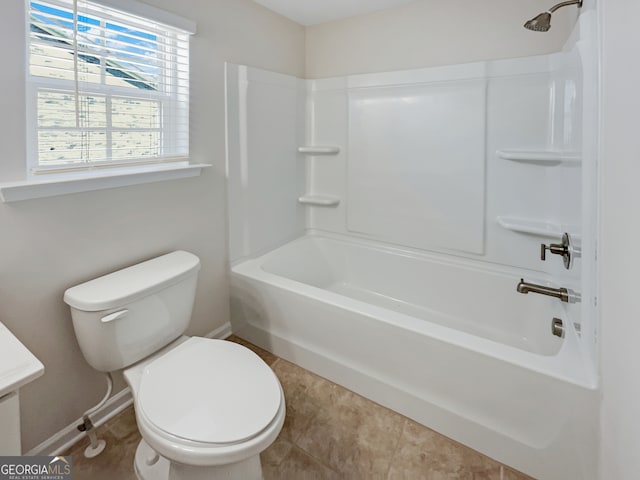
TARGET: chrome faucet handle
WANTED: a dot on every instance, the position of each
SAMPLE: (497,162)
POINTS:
(543,252)
(564,249)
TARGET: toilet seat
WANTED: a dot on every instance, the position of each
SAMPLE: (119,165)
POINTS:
(209,392)
(189,452)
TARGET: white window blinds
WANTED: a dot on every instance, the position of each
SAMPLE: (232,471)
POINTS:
(105,88)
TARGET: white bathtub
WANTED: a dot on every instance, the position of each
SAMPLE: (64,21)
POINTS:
(447,343)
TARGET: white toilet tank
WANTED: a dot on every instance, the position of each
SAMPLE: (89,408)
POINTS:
(125,316)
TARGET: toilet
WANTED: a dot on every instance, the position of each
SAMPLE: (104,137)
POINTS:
(205,408)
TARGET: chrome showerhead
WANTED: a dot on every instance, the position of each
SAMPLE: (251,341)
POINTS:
(540,23)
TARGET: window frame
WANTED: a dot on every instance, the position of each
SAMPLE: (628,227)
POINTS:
(169,126)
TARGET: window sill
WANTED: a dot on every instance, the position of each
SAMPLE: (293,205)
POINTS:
(63,184)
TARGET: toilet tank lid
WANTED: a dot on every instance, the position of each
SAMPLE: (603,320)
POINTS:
(132,283)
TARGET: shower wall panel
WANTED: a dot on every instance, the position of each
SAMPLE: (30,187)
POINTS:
(479,160)
(265,125)
(416,171)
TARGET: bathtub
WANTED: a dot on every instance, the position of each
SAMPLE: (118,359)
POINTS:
(446,342)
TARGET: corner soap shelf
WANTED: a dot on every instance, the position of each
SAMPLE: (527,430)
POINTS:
(317,150)
(541,157)
(541,228)
(319,200)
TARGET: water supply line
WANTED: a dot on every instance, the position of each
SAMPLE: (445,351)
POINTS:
(96,445)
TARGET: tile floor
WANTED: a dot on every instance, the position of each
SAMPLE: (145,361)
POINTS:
(329,433)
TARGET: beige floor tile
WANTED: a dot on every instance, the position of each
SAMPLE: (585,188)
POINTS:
(273,456)
(116,462)
(124,424)
(510,474)
(425,454)
(298,385)
(297,465)
(268,357)
(351,434)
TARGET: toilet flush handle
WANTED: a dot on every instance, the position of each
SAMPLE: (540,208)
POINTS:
(114,316)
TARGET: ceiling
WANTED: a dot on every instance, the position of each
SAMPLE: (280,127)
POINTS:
(312,12)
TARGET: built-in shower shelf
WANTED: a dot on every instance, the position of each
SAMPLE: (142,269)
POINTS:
(541,157)
(541,228)
(319,200)
(313,150)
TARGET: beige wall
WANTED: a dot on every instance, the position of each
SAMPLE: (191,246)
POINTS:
(50,244)
(427,33)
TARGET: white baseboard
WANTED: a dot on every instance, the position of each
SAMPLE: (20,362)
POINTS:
(221,332)
(69,435)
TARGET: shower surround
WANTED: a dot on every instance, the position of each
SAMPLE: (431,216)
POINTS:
(380,223)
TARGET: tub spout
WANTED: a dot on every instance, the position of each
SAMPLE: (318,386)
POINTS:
(560,293)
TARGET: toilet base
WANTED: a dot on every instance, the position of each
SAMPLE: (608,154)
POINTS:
(149,465)
(144,455)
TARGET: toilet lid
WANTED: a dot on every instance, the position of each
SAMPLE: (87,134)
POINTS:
(210,391)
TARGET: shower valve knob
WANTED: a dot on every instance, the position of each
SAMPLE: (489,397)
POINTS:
(563,249)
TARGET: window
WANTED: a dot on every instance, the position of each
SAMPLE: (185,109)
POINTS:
(104,88)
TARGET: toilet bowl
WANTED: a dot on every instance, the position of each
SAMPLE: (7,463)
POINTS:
(205,408)
(218,417)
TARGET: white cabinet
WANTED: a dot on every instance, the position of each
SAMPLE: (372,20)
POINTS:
(10,424)
(18,366)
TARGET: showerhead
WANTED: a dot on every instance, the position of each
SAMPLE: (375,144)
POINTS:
(542,22)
